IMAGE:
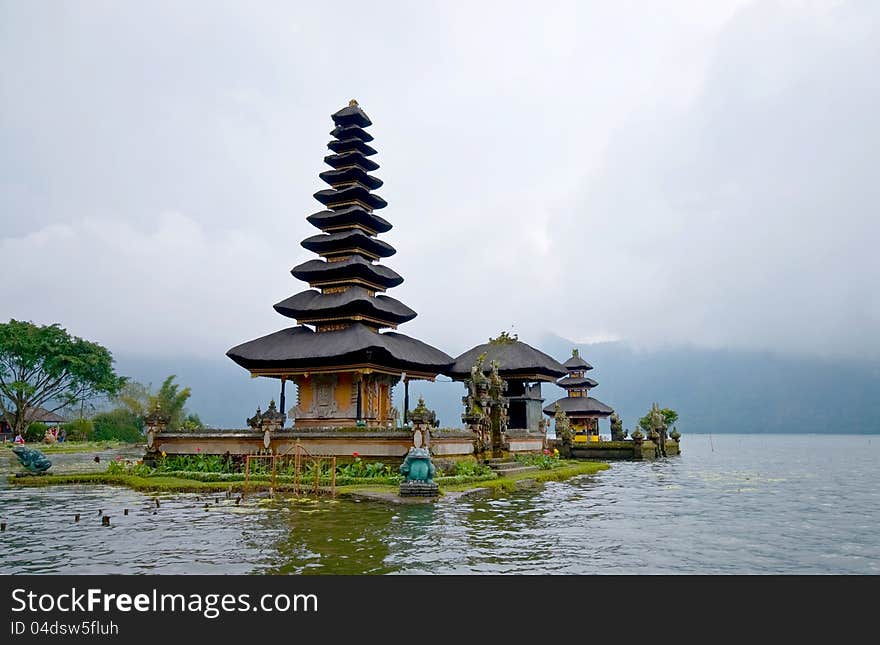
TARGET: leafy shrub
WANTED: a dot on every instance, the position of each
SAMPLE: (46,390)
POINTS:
(544,461)
(471,469)
(117,425)
(359,469)
(79,430)
(120,466)
(35,432)
(192,423)
(200,464)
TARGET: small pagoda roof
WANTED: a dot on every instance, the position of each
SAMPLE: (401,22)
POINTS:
(351,131)
(350,193)
(576,381)
(352,114)
(355,301)
(575,406)
(576,362)
(351,145)
(353,240)
(349,176)
(347,217)
(350,159)
(299,349)
(351,269)
(515,358)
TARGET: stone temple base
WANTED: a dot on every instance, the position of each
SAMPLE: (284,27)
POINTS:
(419,489)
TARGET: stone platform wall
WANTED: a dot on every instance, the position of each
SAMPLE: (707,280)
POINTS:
(367,443)
(621,450)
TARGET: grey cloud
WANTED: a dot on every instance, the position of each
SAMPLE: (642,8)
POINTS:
(689,174)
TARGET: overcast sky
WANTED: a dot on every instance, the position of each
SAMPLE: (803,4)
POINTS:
(660,173)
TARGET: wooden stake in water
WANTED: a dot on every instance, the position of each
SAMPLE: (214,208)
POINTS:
(76,518)
(105,520)
(2,526)
(125,511)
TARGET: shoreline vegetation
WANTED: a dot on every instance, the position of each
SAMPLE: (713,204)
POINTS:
(194,482)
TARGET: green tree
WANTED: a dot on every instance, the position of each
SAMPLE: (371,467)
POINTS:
(192,422)
(171,398)
(44,366)
(117,425)
(670,416)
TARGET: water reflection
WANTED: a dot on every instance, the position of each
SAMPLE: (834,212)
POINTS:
(318,536)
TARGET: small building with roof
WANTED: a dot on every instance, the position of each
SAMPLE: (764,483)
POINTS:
(523,368)
(582,410)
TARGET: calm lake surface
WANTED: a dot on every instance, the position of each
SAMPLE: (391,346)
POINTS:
(729,504)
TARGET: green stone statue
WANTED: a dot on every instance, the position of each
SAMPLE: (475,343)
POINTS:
(417,466)
(419,473)
(33,461)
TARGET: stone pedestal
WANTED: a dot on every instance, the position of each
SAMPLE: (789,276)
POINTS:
(419,489)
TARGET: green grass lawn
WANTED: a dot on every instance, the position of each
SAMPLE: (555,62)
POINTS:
(183,484)
(72,446)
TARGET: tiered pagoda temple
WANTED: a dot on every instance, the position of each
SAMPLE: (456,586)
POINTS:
(583,411)
(342,362)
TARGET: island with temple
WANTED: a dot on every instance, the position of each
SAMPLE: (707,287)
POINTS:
(343,358)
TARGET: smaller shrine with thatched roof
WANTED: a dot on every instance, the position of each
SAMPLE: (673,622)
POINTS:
(582,410)
(503,403)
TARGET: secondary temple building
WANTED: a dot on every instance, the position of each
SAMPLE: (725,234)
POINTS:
(582,410)
(342,361)
(523,368)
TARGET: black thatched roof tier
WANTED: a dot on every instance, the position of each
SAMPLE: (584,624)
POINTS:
(348,218)
(344,292)
(515,359)
(351,131)
(349,176)
(351,115)
(579,406)
(300,348)
(351,145)
(576,363)
(350,193)
(311,305)
(344,242)
(350,159)
(351,269)
(576,381)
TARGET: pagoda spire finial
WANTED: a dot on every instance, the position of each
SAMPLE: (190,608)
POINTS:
(353,103)
(574,352)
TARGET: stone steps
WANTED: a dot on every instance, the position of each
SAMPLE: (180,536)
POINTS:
(507,466)
(518,469)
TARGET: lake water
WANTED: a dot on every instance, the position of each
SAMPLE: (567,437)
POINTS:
(730,504)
